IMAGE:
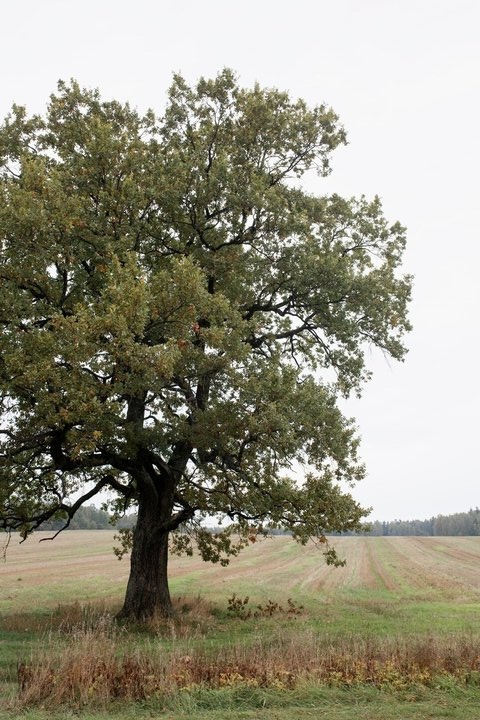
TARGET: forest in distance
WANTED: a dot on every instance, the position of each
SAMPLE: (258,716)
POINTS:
(458,524)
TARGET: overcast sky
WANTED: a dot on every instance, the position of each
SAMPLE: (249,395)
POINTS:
(404,77)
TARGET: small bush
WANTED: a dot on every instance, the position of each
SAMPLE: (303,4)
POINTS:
(238,607)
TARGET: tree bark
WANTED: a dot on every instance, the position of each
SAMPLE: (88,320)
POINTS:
(147,592)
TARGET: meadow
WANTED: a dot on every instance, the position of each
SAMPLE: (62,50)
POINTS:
(277,634)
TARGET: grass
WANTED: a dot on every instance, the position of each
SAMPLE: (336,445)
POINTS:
(365,703)
(393,635)
(101,664)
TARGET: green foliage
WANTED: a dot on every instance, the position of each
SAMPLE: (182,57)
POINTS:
(125,538)
(179,317)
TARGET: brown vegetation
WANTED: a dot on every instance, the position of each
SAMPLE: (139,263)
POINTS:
(97,666)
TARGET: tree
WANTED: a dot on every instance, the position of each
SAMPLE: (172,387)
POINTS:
(179,319)
(87,517)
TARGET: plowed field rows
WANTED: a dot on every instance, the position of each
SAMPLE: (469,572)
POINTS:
(80,565)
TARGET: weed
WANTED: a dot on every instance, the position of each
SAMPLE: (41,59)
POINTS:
(238,607)
(100,665)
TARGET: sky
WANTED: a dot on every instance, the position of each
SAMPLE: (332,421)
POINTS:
(404,77)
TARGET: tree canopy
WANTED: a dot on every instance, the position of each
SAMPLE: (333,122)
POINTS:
(179,318)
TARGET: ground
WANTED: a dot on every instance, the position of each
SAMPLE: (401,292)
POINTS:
(395,594)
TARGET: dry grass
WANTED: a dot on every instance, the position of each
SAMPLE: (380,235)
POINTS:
(64,618)
(98,664)
(193,617)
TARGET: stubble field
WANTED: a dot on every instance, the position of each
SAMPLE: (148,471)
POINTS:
(393,634)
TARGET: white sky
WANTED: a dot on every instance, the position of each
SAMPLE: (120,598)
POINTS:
(404,77)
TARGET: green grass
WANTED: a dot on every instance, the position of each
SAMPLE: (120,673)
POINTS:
(360,704)
(385,592)
(381,613)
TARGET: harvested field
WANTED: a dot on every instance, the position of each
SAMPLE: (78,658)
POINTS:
(402,618)
(80,565)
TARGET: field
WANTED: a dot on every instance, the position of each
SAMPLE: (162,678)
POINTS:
(277,634)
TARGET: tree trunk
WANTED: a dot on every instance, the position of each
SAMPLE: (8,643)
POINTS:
(147,592)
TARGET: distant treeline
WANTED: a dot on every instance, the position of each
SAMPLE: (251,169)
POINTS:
(467,523)
(88,517)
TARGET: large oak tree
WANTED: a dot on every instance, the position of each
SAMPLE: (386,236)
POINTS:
(179,317)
